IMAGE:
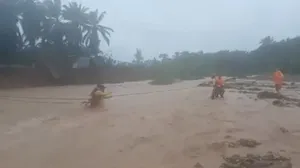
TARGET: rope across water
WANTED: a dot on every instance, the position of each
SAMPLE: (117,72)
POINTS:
(64,100)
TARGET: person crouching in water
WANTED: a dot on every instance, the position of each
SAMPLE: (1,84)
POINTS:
(97,96)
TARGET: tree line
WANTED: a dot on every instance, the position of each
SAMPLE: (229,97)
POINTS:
(52,36)
(270,54)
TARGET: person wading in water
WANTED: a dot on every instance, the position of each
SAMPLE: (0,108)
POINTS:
(97,96)
(278,80)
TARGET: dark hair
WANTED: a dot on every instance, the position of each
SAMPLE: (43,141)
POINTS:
(100,86)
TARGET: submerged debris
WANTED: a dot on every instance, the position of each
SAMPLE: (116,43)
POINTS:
(279,103)
(254,89)
(227,136)
(247,92)
(292,87)
(230,79)
(269,160)
(232,145)
(269,95)
(283,130)
(250,143)
(198,165)
(284,103)
(205,84)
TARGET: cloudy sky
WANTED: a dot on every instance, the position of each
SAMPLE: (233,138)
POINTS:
(166,26)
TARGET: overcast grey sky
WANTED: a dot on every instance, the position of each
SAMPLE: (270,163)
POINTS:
(167,26)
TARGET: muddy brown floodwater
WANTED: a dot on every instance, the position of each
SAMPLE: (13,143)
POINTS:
(171,126)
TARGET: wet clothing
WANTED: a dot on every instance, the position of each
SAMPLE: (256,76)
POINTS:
(213,81)
(278,77)
(278,80)
(219,82)
(97,97)
(218,87)
(218,91)
(278,87)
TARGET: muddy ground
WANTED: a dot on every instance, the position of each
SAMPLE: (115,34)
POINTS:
(144,126)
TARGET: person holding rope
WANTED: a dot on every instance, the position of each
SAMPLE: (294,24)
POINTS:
(97,96)
(218,87)
(213,82)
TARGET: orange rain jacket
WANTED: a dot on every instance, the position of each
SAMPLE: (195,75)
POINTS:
(219,81)
(278,77)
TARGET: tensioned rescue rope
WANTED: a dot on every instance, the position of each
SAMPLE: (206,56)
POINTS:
(25,98)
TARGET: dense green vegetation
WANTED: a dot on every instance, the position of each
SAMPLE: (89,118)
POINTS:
(49,34)
(52,36)
(284,54)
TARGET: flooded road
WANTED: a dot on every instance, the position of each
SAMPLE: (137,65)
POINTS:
(143,126)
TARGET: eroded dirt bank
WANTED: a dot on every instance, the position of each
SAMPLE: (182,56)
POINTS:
(173,129)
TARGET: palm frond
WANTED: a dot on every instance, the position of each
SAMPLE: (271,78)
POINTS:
(101,16)
(86,38)
(105,28)
(104,31)
(65,7)
(106,39)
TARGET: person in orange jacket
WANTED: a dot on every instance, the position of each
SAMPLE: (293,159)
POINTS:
(218,87)
(278,80)
(219,81)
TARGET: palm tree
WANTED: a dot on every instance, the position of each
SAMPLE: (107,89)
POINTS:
(9,30)
(163,56)
(76,16)
(53,28)
(267,41)
(33,14)
(75,13)
(53,51)
(54,8)
(91,37)
(139,59)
